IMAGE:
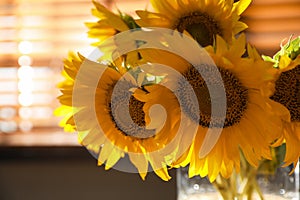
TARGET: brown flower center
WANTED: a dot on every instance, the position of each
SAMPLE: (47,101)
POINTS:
(127,112)
(236,97)
(287,92)
(201,26)
(136,111)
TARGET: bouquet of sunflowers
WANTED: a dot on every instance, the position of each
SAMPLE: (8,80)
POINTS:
(181,87)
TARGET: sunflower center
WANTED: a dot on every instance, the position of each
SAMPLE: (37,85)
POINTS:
(127,112)
(136,111)
(236,97)
(287,92)
(201,26)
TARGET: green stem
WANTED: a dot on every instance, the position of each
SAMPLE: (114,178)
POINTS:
(258,190)
(222,186)
(252,185)
(240,185)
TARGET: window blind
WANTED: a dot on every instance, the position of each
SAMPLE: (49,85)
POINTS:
(270,22)
(35,36)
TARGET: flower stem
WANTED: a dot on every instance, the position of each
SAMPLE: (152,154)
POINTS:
(239,186)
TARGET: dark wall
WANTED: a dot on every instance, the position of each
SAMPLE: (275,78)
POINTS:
(71,173)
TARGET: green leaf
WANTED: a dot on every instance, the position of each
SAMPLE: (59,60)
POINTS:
(291,48)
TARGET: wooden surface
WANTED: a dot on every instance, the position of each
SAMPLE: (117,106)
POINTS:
(63,173)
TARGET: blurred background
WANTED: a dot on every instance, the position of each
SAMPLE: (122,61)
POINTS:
(37,159)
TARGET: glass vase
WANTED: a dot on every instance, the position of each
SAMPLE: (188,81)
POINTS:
(252,185)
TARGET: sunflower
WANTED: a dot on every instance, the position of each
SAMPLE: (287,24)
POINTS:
(108,24)
(202,19)
(110,121)
(248,126)
(287,93)
(104,30)
(71,67)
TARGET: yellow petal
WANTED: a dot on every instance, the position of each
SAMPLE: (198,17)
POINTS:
(221,45)
(113,20)
(164,6)
(140,162)
(105,152)
(114,157)
(284,61)
(241,6)
(163,174)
